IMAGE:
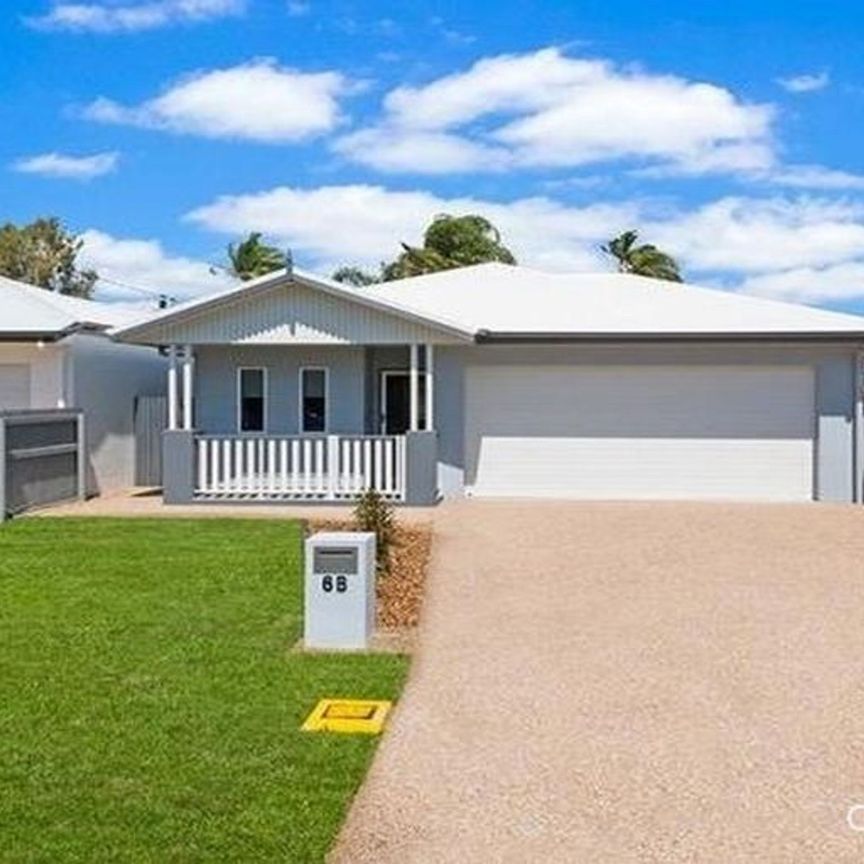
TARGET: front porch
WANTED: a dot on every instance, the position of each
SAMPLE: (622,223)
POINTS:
(322,424)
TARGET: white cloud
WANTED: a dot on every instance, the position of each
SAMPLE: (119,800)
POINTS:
(450,35)
(746,240)
(362,224)
(65,166)
(547,109)
(298,8)
(835,283)
(258,101)
(144,264)
(757,235)
(814,177)
(111,18)
(422,151)
(807,83)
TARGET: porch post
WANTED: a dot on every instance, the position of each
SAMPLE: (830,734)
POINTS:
(172,387)
(188,388)
(430,387)
(178,466)
(414,400)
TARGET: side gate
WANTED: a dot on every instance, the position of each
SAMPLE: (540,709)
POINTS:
(42,459)
(151,420)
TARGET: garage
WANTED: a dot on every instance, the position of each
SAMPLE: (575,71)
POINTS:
(700,432)
(14,386)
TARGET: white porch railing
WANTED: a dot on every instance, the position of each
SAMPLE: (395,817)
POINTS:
(323,468)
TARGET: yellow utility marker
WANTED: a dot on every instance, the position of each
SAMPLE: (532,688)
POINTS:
(351,716)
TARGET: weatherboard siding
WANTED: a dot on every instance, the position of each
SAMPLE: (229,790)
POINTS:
(216,386)
(294,315)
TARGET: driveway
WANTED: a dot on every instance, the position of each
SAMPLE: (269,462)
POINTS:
(629,683)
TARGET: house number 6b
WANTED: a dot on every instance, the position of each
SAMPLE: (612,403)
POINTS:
(340,583)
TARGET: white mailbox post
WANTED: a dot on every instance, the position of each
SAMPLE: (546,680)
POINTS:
(340,590)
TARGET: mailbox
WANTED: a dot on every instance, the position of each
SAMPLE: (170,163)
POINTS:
(340,590)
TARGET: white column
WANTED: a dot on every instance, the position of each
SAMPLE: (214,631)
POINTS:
(414,390)
(188,381)
(172,387)
(430,388)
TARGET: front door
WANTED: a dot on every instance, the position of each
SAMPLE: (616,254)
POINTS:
(396,402)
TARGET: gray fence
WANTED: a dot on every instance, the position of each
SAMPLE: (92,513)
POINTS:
(42,459)
(151,420)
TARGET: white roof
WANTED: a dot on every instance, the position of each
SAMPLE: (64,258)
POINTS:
(489,299)
(28,310)
(500,298)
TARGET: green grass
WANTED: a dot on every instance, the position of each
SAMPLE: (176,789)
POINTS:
(149,705)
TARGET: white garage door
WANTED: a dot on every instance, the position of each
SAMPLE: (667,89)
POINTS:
(14,386)
(640,432)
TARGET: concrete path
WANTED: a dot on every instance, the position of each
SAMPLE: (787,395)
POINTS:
(629,683)
(147,504)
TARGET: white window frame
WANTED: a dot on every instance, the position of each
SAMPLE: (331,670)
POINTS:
(300,426)
(239,399)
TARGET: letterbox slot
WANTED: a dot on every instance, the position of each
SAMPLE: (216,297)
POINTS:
(335,561)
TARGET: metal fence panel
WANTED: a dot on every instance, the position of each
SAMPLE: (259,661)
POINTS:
(151,420)
(42,458)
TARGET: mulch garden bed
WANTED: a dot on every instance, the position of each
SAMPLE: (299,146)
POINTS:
(400,589)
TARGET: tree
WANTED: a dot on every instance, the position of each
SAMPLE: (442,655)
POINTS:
(641,259)
(448,242)
(251,258)
(45,254)
(355,276)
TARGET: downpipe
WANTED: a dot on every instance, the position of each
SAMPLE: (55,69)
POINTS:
(858,491)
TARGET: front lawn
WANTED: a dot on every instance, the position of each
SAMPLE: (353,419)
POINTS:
(149,705)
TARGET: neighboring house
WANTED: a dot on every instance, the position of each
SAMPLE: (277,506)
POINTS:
(55,352)
(503,381)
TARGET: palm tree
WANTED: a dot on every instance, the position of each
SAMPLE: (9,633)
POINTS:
(251,258)
(641,259)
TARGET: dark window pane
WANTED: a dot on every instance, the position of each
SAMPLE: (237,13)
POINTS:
(252,416)
(314,399)
(252,400)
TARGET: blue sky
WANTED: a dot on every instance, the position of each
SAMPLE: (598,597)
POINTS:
(162,129)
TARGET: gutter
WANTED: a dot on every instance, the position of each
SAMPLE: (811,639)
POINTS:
(53,335)
(547,338)
(30,336)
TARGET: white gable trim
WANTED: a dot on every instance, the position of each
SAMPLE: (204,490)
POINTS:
(188,322)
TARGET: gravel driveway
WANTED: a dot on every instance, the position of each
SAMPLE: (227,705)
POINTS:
(629,683)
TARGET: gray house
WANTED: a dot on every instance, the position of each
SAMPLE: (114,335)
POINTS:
(56,353)
(503,381)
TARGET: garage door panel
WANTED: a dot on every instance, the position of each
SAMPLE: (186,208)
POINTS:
(632,432)
(653,403)
(609,468)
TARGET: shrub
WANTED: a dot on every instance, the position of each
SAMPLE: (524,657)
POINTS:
(374,513)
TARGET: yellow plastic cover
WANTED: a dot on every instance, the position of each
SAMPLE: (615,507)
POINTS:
(350,716)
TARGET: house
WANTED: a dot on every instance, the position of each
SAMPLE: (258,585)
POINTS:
(505,381)
(56,352)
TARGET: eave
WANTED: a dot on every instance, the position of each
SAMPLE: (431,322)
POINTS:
(540,338)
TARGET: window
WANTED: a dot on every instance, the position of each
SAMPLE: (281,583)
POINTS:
(313,400)
(251,399)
